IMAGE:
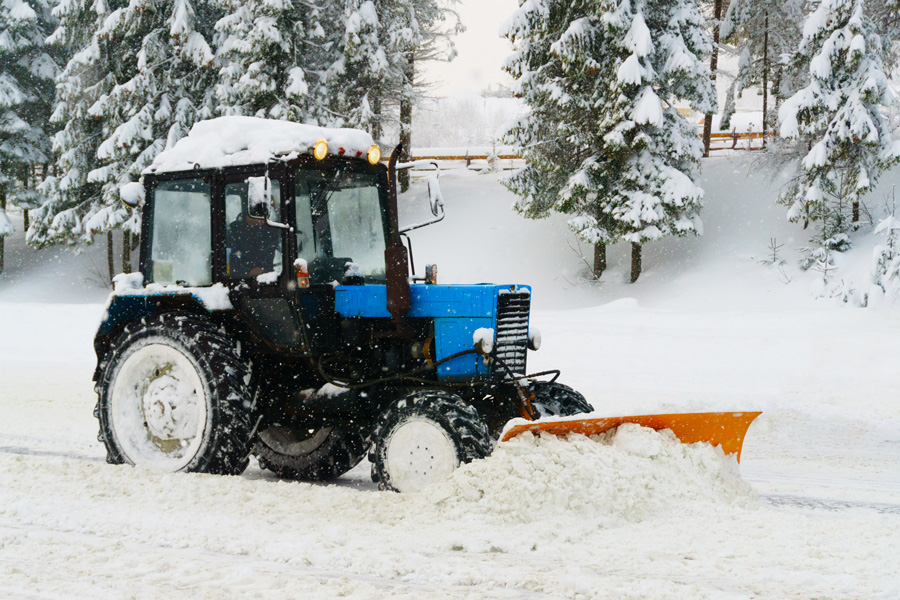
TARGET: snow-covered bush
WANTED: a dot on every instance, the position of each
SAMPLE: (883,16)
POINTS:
(886,271)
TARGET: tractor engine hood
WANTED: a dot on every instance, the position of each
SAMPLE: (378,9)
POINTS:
(458,312)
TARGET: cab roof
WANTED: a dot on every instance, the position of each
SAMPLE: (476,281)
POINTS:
(237,141)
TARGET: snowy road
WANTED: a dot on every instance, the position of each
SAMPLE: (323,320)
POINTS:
(822,519)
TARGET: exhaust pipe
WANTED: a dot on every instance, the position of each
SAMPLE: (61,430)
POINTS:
(396,258)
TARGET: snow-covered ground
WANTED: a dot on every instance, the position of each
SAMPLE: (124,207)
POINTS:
(813,511)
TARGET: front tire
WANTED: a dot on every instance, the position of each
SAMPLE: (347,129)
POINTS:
(308,454)
(423,437)
(174,394)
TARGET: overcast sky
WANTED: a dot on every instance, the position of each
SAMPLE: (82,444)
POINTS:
(481,49)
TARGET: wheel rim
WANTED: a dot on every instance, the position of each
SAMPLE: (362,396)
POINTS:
(159,408)
(293,442)
(418,453)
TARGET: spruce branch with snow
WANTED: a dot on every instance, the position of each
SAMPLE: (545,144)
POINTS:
(837,120)
(603,139)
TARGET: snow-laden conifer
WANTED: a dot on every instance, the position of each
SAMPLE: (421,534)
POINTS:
(135,86)
(368,77)
(276,58)
(27,74)
(85,78)
(603,138)
(162,63)
(837,120)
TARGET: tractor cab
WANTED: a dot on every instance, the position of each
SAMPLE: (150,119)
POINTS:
(278,236)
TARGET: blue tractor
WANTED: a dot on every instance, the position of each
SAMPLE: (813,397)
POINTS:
(274,315)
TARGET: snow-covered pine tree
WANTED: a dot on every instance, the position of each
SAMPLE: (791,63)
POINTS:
(415,34)
(886,14)
(277,57)
(764,33)
(162,64)
(384,42)
(367,80)
(836,120)
(27,74)
(602,136)
(84,80)
(717,10)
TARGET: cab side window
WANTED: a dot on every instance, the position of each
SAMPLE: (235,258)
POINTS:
(181,233)
(251,247)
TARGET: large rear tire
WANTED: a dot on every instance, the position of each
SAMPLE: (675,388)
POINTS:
(423,437)
(292,451)
(558,400)
(175,394)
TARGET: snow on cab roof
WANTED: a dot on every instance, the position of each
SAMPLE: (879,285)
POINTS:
(233,141)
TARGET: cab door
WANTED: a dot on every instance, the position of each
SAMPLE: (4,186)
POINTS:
(255,256)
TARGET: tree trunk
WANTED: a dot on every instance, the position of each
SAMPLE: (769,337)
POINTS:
(599,259)
(765,81)
(406,106)
(110,255)
(2,237)
(375,104)
(856,210)
(713,66)
(126,252)
(635,261)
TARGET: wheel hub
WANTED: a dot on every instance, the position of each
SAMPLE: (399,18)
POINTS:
(159,407)
(419,453)
(169,408)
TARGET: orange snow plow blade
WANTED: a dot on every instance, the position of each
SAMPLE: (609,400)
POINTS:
(719,429)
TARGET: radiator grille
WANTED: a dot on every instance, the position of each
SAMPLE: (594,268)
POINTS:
(511,335)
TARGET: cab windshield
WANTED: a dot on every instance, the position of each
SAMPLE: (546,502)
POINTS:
(340,220)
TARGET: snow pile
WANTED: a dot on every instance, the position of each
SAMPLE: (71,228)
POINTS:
(627,475)
(229,141)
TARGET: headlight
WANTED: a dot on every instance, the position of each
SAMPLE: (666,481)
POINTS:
(374,155)
(534,338)
(320,150)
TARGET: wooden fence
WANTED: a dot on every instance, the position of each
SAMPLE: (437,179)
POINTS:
(749,141)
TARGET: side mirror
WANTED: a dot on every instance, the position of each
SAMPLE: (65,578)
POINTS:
(258,198)
(132,194)
(435,198)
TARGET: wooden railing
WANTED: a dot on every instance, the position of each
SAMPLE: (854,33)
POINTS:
(751,141)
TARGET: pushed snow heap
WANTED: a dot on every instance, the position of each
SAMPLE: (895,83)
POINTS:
(633,474)
(234,141)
